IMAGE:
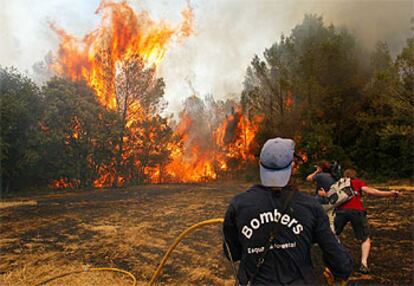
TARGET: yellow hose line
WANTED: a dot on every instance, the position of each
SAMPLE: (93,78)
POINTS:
(116,270)
(177,241)
(162,263)
(327,273)
(94,269)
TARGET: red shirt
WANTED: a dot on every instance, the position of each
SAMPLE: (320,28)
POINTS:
(355,203)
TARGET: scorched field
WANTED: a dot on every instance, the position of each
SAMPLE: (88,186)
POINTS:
(131,228)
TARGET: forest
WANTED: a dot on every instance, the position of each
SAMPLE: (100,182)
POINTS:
(101,175)
(316,85)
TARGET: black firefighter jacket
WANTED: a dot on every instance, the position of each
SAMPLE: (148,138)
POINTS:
(247,226)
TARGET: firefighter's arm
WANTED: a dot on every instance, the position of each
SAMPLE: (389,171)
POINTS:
(231,239)
(378,193)
(310,177)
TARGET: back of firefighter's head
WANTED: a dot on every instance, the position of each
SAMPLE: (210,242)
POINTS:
(276,161)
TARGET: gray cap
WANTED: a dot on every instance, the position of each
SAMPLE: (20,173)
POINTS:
(276,162)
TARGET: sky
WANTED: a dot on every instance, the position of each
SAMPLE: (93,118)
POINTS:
(227,34)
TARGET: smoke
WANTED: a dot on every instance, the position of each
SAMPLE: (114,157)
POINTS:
(25,33)
(230,33)
(371,21)
(227,34)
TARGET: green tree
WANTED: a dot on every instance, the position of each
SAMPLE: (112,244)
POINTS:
(308,87)
(386,120)
(79,134)
(20,108)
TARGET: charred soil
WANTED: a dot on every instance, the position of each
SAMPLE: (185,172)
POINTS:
(132,228)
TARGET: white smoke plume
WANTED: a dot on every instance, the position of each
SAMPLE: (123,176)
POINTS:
(227,34)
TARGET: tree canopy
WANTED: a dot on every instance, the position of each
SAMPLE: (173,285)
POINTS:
(316,85)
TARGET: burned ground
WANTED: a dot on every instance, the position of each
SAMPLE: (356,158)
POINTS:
(132,228)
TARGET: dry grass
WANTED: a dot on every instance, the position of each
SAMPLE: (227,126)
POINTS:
(34,274)
(401,186)
(10,204)
(132,228)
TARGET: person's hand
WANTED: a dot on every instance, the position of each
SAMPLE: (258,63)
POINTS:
(318,169)
(322,192)
(395,193)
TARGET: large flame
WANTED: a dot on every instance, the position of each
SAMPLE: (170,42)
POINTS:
(233,140)
(122,33)
(98,57)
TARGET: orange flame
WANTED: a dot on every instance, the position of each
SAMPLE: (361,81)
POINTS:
(97,59)
(232,139)
(122,33)
(289,99)
(64,183)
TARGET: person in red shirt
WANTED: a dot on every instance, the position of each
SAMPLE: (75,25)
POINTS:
(353,211)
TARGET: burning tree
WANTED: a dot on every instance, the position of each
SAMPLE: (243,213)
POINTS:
(141,131)
(119,62)
(101,123)
(217,139)
(79,139)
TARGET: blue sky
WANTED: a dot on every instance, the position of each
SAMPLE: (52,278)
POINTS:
(227,34)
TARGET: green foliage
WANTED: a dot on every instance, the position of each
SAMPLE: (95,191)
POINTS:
(312,87)
(78,133)
(20,107)
(61,135)
(384,146)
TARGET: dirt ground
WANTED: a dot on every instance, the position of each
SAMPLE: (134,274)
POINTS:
(48,234)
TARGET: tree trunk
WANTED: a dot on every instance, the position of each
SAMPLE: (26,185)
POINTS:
(119,155)
(121,143)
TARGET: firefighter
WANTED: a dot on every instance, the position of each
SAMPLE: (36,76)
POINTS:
(271,227)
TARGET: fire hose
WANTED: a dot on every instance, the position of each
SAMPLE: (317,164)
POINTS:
(93,269)
(160,266)
(177,241)
(328,276)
